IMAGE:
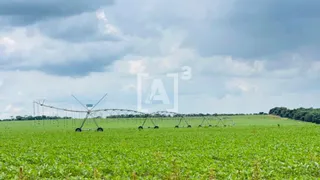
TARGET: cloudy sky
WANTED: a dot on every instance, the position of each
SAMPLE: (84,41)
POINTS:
(231,56)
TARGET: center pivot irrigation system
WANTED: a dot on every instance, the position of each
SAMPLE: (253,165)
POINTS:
(90,112)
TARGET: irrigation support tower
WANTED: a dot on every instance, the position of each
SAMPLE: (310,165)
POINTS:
(89,110)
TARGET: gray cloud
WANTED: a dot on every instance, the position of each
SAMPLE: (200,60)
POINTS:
(62,58)
(81,28)
(258,29)
(73,69)
(70,67)
(19,13)
(244,29)
(77,68)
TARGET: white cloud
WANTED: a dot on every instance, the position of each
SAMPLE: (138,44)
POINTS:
(136,67)
(7,45)
(109,28)
(242,85)
(11,110)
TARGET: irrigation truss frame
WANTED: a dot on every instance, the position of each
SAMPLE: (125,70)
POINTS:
(163,114)
(220,121)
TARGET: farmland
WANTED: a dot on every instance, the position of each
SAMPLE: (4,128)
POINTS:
(257,147)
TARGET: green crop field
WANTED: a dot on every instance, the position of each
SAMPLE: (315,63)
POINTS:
(257,147)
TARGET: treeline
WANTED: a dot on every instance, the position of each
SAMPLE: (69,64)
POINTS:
(43,117)
(27,118)
(177,115)
(301,114)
